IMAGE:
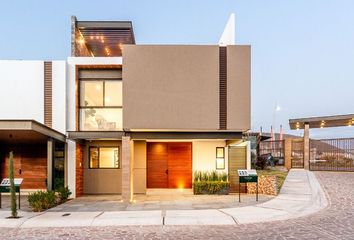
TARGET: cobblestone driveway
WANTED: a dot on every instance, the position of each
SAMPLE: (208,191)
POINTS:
(334,222)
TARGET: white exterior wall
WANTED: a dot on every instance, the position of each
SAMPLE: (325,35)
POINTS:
(71,84)
(22,90)
(59,99)
(204,155)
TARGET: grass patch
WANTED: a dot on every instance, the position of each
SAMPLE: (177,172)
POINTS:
(280,174)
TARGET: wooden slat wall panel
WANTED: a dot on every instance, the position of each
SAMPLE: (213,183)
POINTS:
(32,160)
(156,165)
(222,88)
(79,169)
(48,94)
(237,160)
(180,165)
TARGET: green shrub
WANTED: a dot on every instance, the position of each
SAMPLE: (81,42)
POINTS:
(210,182)
(210,176)
(42,200)
(211,187)
(63,194)
(58,183)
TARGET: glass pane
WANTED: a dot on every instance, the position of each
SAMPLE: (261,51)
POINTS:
(91,93)
(58,165)
(109,157)
(94,158)
(220,163)
(102,119)
(219,152)
(113,93)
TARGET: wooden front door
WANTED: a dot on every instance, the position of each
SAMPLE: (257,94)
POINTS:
(169,165)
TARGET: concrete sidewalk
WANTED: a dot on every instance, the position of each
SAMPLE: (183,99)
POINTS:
(300,195)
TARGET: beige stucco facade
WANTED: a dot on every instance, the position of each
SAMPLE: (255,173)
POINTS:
(177,87)
(139,167)
(238,87)
(204,155)
(171,87)
(101,181)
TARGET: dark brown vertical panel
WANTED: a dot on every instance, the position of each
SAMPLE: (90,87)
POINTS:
(48,94)
(222,88)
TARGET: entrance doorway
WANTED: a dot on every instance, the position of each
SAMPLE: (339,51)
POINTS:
(169,165)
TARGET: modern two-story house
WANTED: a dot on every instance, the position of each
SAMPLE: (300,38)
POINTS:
(122,118)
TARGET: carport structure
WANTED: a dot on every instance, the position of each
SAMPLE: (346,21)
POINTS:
(39,153)
(326,154)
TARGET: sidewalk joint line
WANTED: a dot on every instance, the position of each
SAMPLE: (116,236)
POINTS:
(163,214)
(41,213)
(234,219)
(96,217)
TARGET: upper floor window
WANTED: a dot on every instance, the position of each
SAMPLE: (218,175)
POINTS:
(100,104)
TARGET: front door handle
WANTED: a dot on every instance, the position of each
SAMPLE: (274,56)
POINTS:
(166,171)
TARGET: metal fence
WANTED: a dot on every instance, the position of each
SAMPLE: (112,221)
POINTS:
(274,148)
(297,153)
(332,154)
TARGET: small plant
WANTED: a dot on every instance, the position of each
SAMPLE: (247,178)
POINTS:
(58,182)
(210,182)
(63,194)
(261,162)
(12,186)
(223,176)
(42,200)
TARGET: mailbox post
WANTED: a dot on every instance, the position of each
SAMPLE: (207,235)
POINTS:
(246,176)
(5,188)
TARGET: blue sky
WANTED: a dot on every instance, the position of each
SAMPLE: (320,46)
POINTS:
(302,51)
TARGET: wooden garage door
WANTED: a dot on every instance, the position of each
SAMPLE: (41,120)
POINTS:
(237,160)
(169,165)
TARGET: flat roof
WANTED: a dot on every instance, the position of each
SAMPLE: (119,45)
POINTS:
(27,131)
(106,38)
(323,121)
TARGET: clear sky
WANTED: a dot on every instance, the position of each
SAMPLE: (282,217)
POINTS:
(302,51)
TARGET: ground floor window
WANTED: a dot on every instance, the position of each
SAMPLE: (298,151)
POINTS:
(104,157)
(58,165)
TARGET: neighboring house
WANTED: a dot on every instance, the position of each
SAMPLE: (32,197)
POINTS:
(121,118)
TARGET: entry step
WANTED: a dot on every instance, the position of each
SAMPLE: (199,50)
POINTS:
(169,191)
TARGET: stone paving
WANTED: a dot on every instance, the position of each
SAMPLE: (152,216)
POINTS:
(334,222)
(99,203)
(158,202)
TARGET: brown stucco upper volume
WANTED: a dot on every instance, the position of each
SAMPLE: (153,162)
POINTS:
(177,87)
